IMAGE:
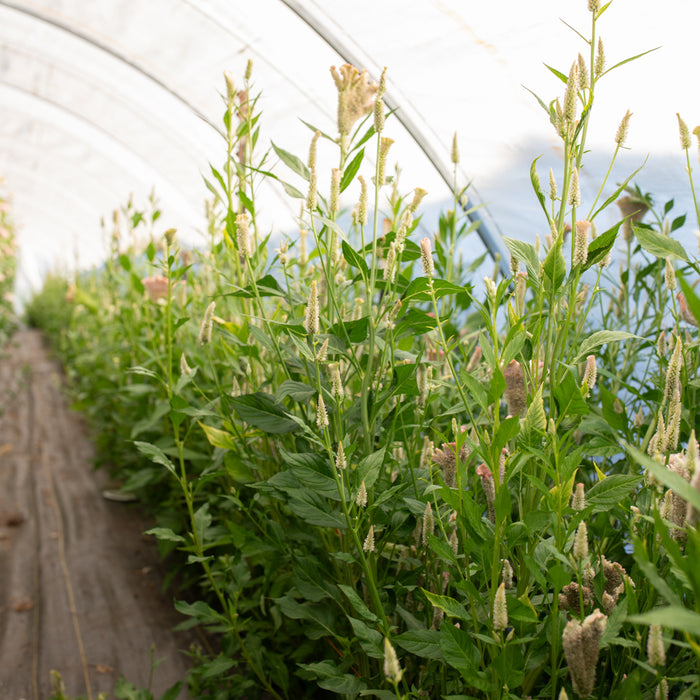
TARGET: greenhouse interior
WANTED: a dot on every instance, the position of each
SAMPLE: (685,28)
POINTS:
(349,350)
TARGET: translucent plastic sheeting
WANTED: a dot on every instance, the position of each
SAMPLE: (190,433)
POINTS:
(103,99)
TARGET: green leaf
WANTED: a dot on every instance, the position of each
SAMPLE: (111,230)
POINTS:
(368,469)
(356,331)
(292,161)
(674,616)
(535,180)
(262,411)
(456,647)
(298,391)
(527,253)
(219,438)
(601,246)
(449,606)
(200,611)
(606,493)
(690,296)
(165,533)
(554,267)
(266,286)
(155,454)
(354,259)
(627,60)
(559,74)
(218,666)
(421,642)
(357,603)
(659,245)
(370,639)
(314,510)
(601,338)
(351,170)
(535,420)
(568,396)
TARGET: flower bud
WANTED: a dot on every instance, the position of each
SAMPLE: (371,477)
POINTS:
(321,414)
(621,134)
(581,542)
(655,646)
(206,327)
(341,462)
(368,545)
(426,255)
(311,321)
(500,609)
(392,668)
(684,133)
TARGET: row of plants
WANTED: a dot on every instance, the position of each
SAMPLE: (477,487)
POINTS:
(8,264)
(373,480)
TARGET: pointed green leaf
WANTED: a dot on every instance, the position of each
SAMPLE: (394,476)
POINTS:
(262,411)
(601,338)
(659,245)
(292,161)
(155,454)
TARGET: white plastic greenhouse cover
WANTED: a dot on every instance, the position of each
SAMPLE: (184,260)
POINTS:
(105,99)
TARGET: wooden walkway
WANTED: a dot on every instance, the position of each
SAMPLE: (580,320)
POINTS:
(80,587)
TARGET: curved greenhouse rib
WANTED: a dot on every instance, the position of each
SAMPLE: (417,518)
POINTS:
(301,10)
(34,14)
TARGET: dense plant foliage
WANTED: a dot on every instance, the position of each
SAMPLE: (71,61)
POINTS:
(383,483)
(8,263)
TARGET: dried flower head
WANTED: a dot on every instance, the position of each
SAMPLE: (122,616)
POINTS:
(661,692)
(156,287)
(418,194)
(633,211)
(684,312)
(355,95)
(428,526)
(487,484)
(578,500)
(581,644)
(515,392)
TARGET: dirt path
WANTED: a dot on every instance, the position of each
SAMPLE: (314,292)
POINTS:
(79,585)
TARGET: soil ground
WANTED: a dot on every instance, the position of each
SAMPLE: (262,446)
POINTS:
(80,586)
